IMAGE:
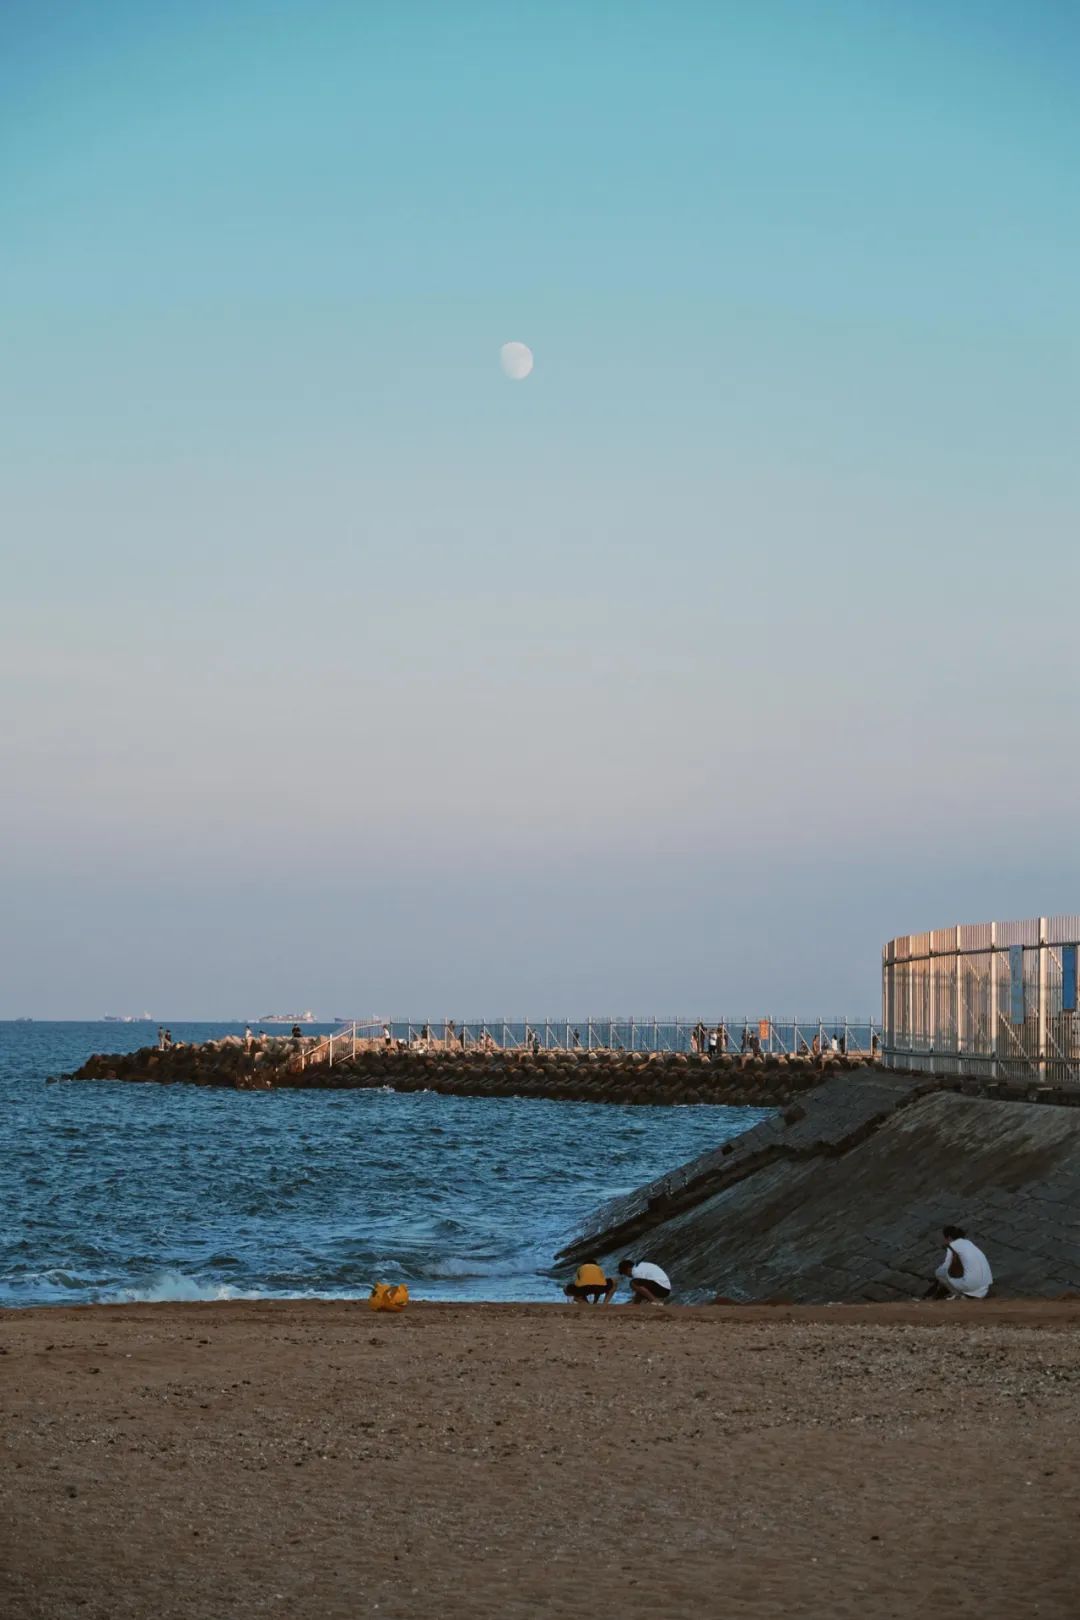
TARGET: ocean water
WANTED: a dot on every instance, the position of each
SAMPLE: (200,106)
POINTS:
(112,1191)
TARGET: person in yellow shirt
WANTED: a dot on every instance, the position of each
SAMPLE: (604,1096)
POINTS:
(590,1286)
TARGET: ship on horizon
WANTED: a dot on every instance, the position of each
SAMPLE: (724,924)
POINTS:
(289,1018)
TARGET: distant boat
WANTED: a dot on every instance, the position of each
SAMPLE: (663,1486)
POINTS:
(288,1018)
(128,1018)
(22,1020)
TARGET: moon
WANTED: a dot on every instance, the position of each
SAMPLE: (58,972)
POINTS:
(516,360)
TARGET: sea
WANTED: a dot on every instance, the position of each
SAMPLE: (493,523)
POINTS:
(112,1191)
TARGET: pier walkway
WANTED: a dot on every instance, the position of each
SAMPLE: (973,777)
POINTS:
(760,1037)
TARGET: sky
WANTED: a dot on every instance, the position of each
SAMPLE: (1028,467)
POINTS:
(340,671)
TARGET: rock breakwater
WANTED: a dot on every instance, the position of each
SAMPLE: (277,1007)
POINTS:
(616,1077)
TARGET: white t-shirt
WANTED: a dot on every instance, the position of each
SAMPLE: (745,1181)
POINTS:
(977,1275)
(650,1273)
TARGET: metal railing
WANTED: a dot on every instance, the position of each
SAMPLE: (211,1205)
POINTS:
(856,1037)
(344,1042)
(997,1000)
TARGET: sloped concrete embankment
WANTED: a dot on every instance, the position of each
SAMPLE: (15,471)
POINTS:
(845,1197)
(620,1077)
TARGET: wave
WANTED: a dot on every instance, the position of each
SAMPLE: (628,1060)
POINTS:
(56,1278)
(449,1268)
(173,1286)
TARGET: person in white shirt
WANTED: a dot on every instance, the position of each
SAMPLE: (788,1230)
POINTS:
(965,1272)
(649,1285)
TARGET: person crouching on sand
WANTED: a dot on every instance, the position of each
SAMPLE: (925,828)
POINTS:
(965,1271)
(649,1285)
(590,1286)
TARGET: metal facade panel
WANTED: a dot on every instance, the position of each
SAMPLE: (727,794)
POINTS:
(1016,984)
(990,999)
(1019,933)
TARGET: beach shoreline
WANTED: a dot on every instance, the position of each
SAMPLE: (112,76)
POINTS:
(314,1458)
(1032,1313)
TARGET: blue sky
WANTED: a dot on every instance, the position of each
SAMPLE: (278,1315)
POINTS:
(339,670)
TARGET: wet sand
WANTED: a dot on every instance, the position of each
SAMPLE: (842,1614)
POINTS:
(313,1460)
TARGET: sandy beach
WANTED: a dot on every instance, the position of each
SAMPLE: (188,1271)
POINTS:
(304,1459)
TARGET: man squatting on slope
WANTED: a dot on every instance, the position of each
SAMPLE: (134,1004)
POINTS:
(964,1273)
(649,1285)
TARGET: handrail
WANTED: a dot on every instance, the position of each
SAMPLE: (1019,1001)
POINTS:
(733,1035)
(349,1034)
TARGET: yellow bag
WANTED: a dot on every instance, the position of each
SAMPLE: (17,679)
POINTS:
(388,1297)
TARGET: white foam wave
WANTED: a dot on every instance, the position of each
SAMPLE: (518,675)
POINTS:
(173,1286)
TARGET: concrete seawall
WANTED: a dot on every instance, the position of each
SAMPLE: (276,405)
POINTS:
(618,1077)
(844,1196)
